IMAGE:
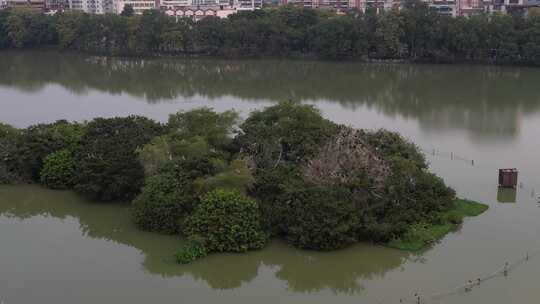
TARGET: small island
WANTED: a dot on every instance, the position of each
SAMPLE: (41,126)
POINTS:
(227,185)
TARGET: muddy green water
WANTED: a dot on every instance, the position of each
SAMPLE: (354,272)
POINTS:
(58,248)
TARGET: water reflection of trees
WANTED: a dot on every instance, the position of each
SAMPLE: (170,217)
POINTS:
(303,271)
(480,99)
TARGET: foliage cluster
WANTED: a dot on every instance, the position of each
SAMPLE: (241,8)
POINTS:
(106,163)
(415,33)
(193,156)
(190,252)
(38,141)
(327,213)
(170,195)
(22,152)
(9,139)
(58,170)
(97,158)
(321,217)
(285,172)
(226,221)
(288,133)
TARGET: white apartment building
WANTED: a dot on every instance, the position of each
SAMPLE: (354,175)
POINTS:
(445,7)
(248,4)
(378,5)
(174,3)
(218,7)
(139,6)
(206,2)
(93,6)
(337,4)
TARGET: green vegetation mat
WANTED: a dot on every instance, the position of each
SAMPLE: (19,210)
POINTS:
(422,235)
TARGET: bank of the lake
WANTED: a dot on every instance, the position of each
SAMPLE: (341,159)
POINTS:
(413,33)
(421,235)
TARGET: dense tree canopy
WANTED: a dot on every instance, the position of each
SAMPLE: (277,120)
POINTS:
(226,221)
(288,132)
(415,33)
(38,141)
(216,129)
(9,161)
(58,170)
(26,28)
(322,217)
(193,157)
(107,164)
(286,172)
(170,195)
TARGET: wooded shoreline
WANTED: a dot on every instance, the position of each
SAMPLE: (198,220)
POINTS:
(412,34)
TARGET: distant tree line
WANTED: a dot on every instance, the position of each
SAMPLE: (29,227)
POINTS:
(414,33)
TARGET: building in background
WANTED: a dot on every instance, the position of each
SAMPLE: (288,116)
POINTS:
(170,4)
(55,5)
(34,5)
(377,5)
(92,6)
(198,9)
(445,7)
(248,4)
(335,4)
(139,6)
(198,13)
(469,8)
(76,5)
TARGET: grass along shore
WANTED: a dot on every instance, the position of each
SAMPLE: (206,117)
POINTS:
(423,235)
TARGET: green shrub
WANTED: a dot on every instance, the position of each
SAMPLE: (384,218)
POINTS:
(319,217)
(391,145)
(162,204)
(58,170)
(9,156)
(106,163)
(7,130)
(204,123)
(170,195)
(190,252)
(269,188)
(287,132)
(235,176)
(411,195)
(38,141)
(154,155)
(227,221)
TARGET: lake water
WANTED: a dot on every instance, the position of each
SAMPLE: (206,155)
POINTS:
(471,120)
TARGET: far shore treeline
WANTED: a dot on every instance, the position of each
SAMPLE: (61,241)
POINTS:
(416,33)
(227,185)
